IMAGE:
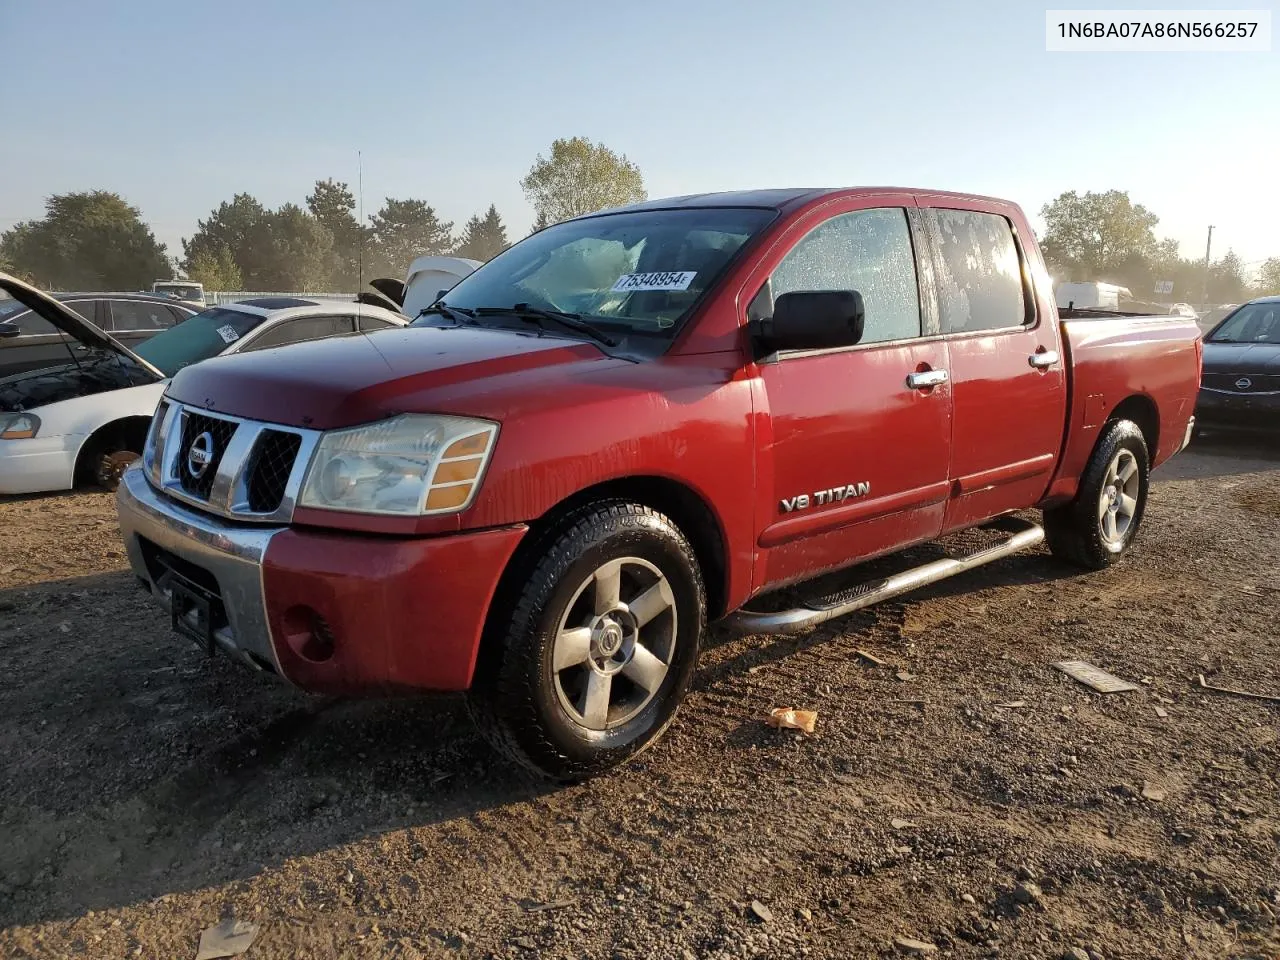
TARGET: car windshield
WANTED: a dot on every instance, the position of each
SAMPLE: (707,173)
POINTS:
(180,291)
(197,338)
(1252,323)
(638,272)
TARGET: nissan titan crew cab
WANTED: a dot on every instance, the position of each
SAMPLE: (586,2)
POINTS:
(635,422)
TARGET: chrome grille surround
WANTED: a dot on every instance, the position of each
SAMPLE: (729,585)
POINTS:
(229,495)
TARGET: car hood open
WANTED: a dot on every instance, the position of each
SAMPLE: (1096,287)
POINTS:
(70,322)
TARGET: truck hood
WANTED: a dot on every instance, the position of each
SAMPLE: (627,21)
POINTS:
(343,381)
(1241,357)
(70,322)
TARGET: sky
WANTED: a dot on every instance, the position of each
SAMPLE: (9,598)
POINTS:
(178,106)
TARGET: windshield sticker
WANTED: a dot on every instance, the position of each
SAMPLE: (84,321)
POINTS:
(228,334)
(662,280)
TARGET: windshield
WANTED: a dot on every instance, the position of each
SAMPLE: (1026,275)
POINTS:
(634,272)
(179,290)
(197,338)
(1252,323)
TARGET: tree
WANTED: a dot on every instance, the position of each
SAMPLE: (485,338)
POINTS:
(483,239)
(333,205)
(87,241)
(299,252)
(241,228)
(1097,236)
(217,270)
(285,249)
(404,230)
(580,177)
(1226,280)
(1268,284)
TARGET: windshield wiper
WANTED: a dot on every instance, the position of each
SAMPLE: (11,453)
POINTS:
(458,315)
(531,314)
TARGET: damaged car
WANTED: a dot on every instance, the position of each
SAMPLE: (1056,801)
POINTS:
(84,421)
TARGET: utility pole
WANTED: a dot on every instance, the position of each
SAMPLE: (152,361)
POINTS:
(1204,293)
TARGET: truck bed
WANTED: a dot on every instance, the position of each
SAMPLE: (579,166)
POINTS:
(1147,366)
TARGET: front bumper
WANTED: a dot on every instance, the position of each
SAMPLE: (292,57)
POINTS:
(1221,409)
(328,612)
(38,465)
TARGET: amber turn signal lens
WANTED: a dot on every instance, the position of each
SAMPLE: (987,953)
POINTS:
(442,498)
(467,446)
(451,471)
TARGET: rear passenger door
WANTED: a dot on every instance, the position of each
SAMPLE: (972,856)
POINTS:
(1009,388)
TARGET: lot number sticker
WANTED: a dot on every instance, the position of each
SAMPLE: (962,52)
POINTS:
(663,280)
(228,334)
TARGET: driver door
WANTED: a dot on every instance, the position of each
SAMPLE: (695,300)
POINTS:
(855,447)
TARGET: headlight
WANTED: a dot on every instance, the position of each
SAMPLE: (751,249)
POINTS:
(409,465)
(18,426)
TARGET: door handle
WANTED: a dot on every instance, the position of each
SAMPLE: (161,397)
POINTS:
(925,379)
(1045,358)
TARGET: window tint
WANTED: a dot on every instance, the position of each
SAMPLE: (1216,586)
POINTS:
(86,309)
(302,329)
(979,274)
(868,251)
(179,314)
(127,315)
(31,324)
(374,323)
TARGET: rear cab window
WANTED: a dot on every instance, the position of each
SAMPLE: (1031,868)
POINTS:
(979,272)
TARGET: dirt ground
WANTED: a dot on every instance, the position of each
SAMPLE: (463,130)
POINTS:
(965,794)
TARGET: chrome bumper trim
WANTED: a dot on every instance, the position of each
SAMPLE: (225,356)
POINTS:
(231,554)
(1186,438)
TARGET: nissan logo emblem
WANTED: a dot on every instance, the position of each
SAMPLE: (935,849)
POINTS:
(200,455)
(1244,383)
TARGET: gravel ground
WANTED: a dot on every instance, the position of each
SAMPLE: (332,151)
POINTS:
(965,794)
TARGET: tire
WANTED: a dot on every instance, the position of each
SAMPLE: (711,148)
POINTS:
(104,461)
(1096,528)
(600,647)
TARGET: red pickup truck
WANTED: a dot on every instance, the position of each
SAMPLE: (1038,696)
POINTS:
(635,422)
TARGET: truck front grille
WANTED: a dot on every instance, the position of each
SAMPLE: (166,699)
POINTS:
(230,466)
(209,436)
(269,468)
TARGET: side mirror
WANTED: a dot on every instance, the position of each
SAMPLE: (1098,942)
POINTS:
(8,329)
(813,320)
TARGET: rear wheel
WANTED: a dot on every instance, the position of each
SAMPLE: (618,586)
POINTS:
(1100,524)
(601,645)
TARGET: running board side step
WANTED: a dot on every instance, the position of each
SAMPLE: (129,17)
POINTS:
(1022,536)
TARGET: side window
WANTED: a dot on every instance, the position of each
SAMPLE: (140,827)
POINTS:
(179,314)
(32,324)
(374,323)
(86,308)
(868,251)
(300,330)
(980,282)
(131,315)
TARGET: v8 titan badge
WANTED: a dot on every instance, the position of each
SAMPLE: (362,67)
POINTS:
(822,498)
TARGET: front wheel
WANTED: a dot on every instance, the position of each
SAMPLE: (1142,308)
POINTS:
(599,650)
(1100,524)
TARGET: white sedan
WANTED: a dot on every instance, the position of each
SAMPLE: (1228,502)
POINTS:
(83,422)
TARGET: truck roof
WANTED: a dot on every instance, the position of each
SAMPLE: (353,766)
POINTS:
(780,199)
